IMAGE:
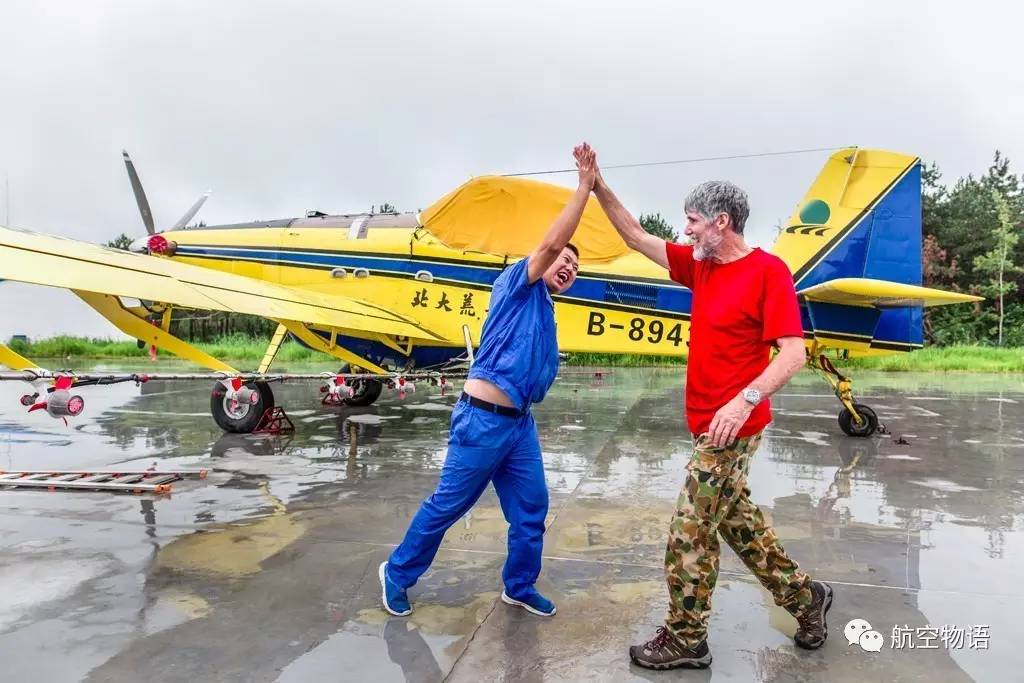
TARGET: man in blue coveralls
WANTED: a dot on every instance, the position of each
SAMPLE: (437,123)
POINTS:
(493,436)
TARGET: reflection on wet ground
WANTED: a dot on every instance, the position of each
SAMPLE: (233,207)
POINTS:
(267,571)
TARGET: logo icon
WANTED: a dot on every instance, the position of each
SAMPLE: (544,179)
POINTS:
(871,641)
(813,219)
(859,632)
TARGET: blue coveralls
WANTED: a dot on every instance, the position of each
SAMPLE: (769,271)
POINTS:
(518,353)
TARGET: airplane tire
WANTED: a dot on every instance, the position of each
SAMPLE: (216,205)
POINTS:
(364,392)
(240,419)
(850,426)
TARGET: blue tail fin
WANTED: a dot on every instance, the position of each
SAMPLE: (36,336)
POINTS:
(860,219)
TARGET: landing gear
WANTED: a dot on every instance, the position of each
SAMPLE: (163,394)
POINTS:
(868,421)
(364,391)
(240,412)
(855,419)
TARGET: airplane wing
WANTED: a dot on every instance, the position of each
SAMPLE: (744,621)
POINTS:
(70,264)
(859,291)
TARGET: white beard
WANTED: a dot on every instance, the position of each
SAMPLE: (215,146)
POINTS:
(708,247)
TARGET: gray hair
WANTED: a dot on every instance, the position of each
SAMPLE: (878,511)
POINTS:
(716,197)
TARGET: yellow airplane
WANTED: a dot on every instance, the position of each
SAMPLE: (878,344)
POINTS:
(392,295)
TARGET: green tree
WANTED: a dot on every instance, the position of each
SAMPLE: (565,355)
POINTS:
(122,241)
(209,326)
(998,263)
(955,215)
(656,225)
(963,253)
(778,227)
(940,271)
(386,207)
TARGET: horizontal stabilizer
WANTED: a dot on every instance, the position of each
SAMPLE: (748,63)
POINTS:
(865,292)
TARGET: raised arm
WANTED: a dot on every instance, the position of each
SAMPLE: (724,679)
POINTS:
(561,231)
(629,228)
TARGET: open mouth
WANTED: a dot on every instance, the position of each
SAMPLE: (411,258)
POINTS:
(562,278)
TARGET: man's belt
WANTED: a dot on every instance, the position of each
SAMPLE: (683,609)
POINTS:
(492,407)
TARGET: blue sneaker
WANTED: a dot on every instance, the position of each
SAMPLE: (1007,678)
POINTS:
(533,602)
(394,598)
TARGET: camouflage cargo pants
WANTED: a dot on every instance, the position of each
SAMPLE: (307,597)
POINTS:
(715,500)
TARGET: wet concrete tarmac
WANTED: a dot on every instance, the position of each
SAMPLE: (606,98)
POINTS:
(267,570)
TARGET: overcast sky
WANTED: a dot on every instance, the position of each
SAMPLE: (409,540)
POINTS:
(342,105)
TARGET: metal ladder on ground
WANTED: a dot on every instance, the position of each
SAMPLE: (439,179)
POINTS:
(140,481)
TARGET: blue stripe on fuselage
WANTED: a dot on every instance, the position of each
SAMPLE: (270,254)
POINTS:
(589,290)
(670,297)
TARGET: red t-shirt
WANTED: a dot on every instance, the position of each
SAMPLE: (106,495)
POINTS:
(739,310)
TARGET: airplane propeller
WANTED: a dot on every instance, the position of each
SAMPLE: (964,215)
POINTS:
(193,210)
(143,202)
(140,194)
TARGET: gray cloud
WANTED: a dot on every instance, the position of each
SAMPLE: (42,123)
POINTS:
(339,106)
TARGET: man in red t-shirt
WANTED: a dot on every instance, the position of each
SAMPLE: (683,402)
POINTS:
(744,304)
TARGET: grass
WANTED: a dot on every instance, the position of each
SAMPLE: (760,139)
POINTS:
(234,348)
(627,360)
(932,359)
(945,359)
(241,348)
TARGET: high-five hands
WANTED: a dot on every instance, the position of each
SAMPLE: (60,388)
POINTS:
(586,164)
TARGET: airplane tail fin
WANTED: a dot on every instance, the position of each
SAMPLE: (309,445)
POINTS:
(854,248)
(860,218)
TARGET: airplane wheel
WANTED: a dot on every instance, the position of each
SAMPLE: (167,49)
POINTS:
(850,426)
(240,418)
(365,392)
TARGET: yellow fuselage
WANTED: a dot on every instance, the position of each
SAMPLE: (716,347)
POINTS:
(626,306)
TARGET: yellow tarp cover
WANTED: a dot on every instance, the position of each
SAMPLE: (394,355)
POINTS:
(509,216)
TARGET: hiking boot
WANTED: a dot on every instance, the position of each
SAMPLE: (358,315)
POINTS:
(813,630)
(392,595)
(665,651)
(533,602)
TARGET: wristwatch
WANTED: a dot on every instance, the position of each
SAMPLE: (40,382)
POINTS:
(752,396)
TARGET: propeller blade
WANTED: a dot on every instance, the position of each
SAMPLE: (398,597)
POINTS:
(140,194)
(183,221)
